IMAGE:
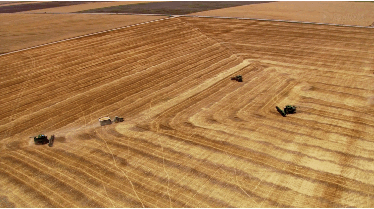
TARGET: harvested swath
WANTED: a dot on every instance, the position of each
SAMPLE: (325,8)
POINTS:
(141,54)
(191,136)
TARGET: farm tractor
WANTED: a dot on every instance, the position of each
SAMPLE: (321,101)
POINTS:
(43,139)
(289,109)
(238,78)
(107,121)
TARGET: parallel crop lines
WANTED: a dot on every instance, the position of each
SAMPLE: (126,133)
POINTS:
(69,81)
(321,125)
(191,136)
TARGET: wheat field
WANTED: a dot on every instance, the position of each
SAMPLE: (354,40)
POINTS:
(191,136)
(338,12)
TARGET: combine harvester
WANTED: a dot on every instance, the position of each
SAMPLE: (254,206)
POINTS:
(289,109)
(42,139)
(238,78)
(107,121)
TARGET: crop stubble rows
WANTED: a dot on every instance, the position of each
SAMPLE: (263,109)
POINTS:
(191,138)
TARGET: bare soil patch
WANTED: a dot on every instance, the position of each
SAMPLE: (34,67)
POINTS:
(172,8)
(24,30)
(350,13)
(40,5)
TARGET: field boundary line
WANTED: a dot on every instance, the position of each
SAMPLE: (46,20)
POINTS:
(204,16)
(274,20)
(170,17)
(86,35)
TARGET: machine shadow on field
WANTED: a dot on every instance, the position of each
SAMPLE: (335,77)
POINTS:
(60,139)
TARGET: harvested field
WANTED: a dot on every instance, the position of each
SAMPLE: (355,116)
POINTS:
(172,7)
(81,7)
(348,13)
(19,31)
(191,136)
(33,6)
